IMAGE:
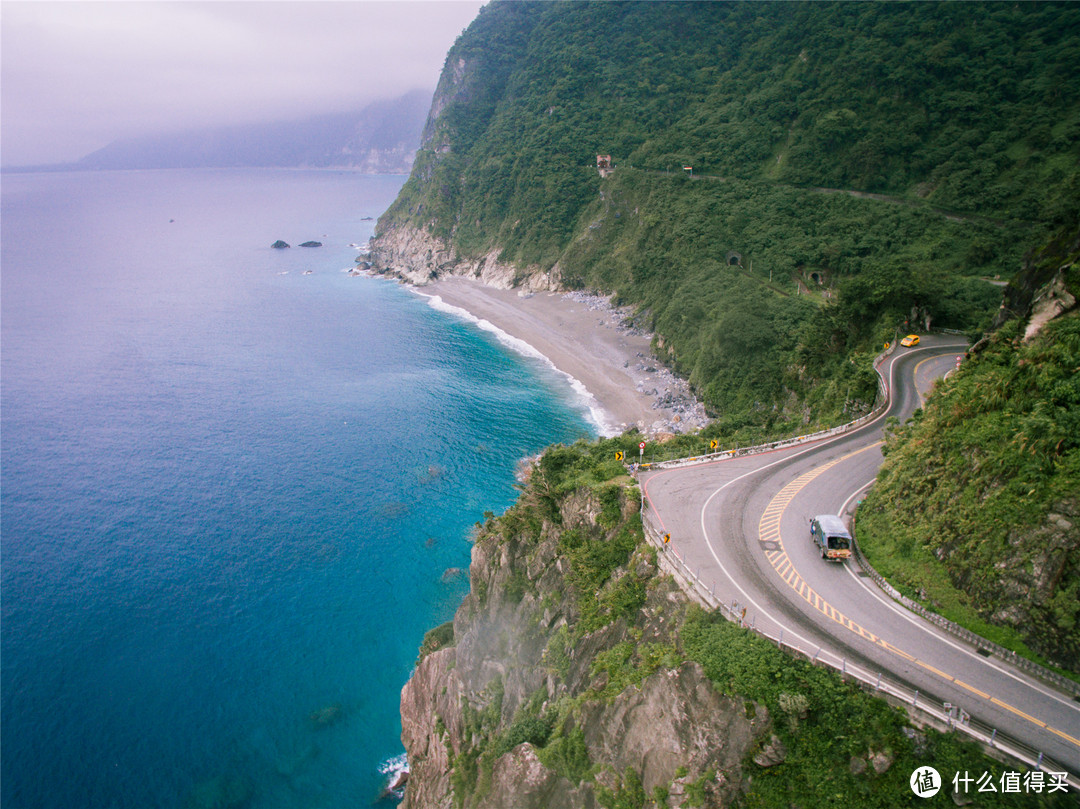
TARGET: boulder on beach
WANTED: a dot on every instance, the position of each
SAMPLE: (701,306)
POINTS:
(311,244)
(280,245)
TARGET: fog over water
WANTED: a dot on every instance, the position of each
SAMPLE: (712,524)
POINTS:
(77,76)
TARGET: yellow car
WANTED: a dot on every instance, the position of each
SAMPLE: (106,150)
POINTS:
(910,340)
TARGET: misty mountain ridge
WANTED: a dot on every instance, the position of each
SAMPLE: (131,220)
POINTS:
(382,138)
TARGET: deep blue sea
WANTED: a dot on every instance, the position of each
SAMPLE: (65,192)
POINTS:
(235,484)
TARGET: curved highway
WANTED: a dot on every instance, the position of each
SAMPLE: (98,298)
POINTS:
(743,525)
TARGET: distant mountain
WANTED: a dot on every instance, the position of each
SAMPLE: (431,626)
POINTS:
(382,138)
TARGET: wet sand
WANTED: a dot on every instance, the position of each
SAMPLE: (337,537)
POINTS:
(584,337)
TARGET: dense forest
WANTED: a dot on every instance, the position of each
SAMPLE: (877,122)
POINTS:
(850,169)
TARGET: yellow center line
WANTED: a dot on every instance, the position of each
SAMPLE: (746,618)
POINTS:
(769,532)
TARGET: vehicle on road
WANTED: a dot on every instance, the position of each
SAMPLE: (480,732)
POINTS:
(910,341)
(831,536)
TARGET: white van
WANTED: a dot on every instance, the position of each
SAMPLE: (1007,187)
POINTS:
(830,535)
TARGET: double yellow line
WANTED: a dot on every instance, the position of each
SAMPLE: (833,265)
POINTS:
(769,536)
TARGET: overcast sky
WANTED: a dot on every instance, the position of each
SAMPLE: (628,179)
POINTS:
(78,75)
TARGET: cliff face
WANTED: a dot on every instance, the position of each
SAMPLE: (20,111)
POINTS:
(1047,285)
(419,256)
(528,709)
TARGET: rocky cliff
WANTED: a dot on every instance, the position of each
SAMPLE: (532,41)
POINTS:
(536,701)
(577,674)
(419,256)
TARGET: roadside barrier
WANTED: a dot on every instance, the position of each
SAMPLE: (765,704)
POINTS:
(921,708)
(738,452)
(988,647)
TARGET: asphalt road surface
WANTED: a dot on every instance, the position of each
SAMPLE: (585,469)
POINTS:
(743,525)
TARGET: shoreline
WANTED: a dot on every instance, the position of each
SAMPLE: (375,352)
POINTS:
(609,364)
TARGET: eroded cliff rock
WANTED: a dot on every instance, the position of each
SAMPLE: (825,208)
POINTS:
(541,702)
(420,257)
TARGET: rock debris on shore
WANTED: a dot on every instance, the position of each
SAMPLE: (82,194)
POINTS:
(679,409)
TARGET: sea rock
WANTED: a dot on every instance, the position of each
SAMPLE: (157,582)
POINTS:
(395,788)
(325,717)
(310,244)
(280,245)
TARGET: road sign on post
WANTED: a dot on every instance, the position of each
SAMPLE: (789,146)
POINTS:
(619,455)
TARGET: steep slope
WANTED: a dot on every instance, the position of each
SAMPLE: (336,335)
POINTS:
(857,169)
(917,110)
(977,507)
(576,674)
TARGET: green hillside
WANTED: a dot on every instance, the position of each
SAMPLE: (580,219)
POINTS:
(795,184)
(958,125)
(977,508)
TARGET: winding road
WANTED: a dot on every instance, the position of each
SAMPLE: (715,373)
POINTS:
(742,524)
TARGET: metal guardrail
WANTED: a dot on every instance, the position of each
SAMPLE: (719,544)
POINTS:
(738,452)
(978,641)
(941,715)
(1029,666)
(920,708)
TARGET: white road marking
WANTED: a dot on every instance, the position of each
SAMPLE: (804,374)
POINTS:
(935,632)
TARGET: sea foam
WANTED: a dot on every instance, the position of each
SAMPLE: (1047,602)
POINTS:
(597,415)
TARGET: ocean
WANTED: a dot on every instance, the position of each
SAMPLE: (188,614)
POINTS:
(236,486)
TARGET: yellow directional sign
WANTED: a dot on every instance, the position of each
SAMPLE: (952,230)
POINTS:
(619,455)
(667,538)
(714,444)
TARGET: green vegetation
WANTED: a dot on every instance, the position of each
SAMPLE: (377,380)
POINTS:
(435,639)
(628,794)
(975,509)
(845,746)
(842,725)
(756,340)
(971,108)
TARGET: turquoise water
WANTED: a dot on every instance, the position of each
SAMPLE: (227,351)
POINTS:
(234,495)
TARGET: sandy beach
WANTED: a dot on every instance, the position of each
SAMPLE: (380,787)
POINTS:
(584,337)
